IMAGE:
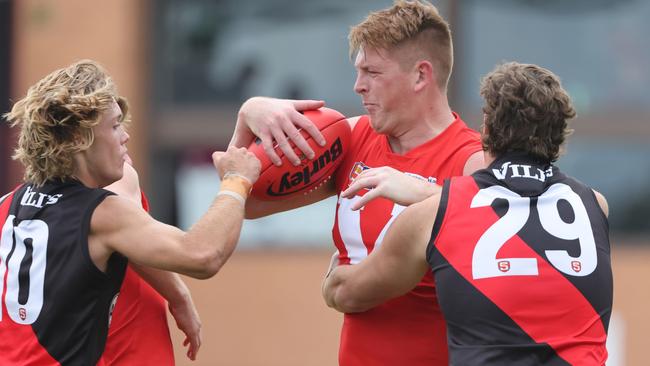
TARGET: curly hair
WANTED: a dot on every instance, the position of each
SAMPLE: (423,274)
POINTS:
(57,116)
(415,24)
(526,109)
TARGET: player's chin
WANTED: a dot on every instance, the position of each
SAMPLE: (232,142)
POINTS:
(377,124)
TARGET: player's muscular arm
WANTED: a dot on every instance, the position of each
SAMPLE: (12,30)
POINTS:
(167,284)
(390,270)
(117,225)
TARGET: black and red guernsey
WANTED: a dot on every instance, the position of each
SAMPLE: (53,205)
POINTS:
(521,257)
(56,304)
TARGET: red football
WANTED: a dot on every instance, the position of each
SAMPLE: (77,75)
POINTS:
(288,180)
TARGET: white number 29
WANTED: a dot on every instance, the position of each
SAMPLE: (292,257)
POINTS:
(485,263)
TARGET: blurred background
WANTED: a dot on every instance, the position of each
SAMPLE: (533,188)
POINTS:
(187,65)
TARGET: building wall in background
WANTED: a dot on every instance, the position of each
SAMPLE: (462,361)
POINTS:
(48,35)
(5,86)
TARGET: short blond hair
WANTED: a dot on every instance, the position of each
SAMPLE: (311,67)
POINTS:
(56,118)
(408,23)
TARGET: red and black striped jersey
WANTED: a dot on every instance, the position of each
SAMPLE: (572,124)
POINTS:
(521,257)
(56,304)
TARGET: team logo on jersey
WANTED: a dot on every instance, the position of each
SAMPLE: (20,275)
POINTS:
(22,313)
(357,169)
(504,266)
(576,265)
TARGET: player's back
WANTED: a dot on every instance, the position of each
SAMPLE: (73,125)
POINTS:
(520,253)
(56,303)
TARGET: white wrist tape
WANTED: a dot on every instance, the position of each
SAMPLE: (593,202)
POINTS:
(234,195)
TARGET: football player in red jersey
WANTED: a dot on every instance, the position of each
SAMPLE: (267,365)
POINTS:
(404,57)
(65,241)
(519,251)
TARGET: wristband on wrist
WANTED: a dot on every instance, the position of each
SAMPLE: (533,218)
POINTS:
(234,195)
(233,174)
(236,186)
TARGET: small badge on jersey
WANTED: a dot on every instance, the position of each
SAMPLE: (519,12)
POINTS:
(576,266)
(357,169)
(22,313)
(504,266)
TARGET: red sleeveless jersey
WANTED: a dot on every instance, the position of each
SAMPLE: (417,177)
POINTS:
(408,330)
(521,258)
(139,334)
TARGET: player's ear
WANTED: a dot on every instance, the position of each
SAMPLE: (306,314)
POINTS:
(424,74)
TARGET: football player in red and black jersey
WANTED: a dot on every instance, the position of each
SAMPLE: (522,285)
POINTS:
(519,251)
(65,241)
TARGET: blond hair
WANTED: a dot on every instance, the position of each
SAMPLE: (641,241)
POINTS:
(56,118)
(413,24)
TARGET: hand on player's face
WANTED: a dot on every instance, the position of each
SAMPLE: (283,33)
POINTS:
(277,122)
(237,160)
(389,183)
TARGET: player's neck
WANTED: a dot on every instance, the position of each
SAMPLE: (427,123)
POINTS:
(488,158)
(421,128)
(82,172)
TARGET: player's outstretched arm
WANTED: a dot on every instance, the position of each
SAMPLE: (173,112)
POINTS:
(276,121)
(117,225)
(389,183)
(390,270)
(167,284)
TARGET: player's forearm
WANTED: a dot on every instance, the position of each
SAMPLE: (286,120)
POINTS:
(343,291)
(168,284)
(215,235)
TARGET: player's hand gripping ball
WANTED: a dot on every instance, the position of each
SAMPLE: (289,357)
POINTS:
(288,180)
